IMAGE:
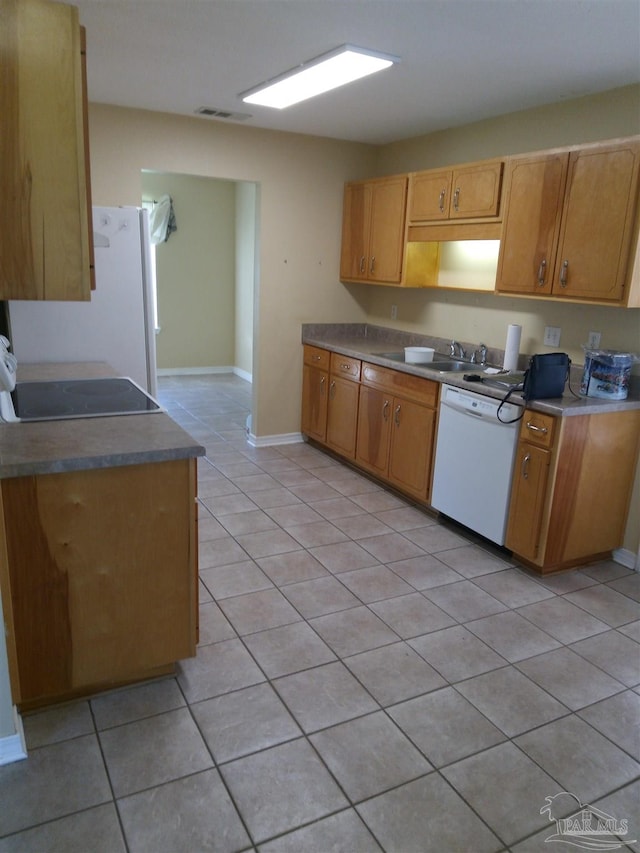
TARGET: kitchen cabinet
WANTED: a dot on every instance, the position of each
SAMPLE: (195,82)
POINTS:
(569,224)
(98,572)
(373,226)
(470,191)
(315,392)
(342,409)
(396,424)
(571,487)
(45,250)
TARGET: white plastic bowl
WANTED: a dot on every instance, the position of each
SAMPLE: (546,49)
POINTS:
(418,355)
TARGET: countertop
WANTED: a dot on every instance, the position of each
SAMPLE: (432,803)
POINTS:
(49,447)
(367,342)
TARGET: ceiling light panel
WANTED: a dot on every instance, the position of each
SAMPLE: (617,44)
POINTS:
(329,71)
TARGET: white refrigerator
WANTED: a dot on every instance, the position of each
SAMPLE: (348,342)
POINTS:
(118,324)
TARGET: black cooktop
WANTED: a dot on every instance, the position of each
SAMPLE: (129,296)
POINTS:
(80,398)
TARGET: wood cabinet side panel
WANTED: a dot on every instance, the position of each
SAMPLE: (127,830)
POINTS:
(101,567)
(597,459)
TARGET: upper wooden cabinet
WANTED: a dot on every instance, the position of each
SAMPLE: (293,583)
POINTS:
(464,192)
(373,230)
(44,240)
(569,223)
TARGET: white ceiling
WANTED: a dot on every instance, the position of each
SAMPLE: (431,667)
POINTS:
(462,60)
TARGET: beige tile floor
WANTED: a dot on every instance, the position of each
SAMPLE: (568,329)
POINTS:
(368,678)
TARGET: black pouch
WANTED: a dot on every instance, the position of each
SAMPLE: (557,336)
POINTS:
(546,375)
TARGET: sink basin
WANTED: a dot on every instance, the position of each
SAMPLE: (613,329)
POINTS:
(440,364)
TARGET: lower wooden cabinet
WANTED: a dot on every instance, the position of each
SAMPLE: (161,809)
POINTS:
(98,572)
(396,430)
(572,487)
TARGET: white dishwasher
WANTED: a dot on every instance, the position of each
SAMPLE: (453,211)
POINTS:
(474,461)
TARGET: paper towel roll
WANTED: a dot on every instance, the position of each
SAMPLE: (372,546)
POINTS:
(512,347)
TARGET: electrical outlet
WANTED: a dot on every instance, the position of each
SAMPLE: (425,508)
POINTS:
(593,340)
(552,336)
(394,312)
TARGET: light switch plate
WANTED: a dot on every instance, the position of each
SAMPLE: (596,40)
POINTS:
(552,336)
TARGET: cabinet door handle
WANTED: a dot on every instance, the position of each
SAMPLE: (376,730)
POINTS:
(397,416)
(362,264)
(535,428)
(385,411)
(373,261)
(542,271)
(525,466)
(456,199)
(332,390)
(441,200)
(564,273)
(322,381)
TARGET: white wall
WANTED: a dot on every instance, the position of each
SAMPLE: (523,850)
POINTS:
(246,284)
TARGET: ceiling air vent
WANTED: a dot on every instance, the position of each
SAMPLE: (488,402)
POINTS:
(211,112)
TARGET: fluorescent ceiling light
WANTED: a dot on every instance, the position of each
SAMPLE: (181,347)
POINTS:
(333,69)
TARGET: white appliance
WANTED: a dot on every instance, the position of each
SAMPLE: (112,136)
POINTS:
(474,458)
(117,325)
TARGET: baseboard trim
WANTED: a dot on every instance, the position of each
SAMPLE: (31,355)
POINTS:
(13,747)
(626,558)
(274,440)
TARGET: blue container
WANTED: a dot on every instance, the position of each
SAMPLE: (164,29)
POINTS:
(606,374)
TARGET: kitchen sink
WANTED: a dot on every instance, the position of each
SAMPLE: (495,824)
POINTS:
(440,364)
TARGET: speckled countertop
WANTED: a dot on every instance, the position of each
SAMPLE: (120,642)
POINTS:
(367,342)
(48,447)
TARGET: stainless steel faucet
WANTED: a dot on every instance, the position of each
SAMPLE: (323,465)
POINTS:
(482,349)
(452,350)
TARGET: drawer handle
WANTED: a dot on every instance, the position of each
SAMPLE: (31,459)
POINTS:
(535,428)
(542,271)
(345,366)
(315,358)
(525,466)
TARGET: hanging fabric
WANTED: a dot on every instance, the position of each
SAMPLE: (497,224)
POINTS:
(162,221)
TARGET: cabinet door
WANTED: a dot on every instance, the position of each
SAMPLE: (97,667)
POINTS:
(534,190)
(411,447)
(430,195)
(314,402)
(475,191)
(44,240)
(597,223)
(386,237)
(342,416)
(528,493)
(356,214)
(374,425)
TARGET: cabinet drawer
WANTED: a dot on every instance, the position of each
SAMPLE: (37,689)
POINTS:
(537,428)
(316,357)
(405,384)
(342,365)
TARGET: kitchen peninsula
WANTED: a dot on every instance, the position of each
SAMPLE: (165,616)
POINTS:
(98,564)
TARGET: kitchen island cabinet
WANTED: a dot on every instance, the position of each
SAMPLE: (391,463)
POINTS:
(98,548)
(45,251)
(571,487)
(569,220)
(99,577)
